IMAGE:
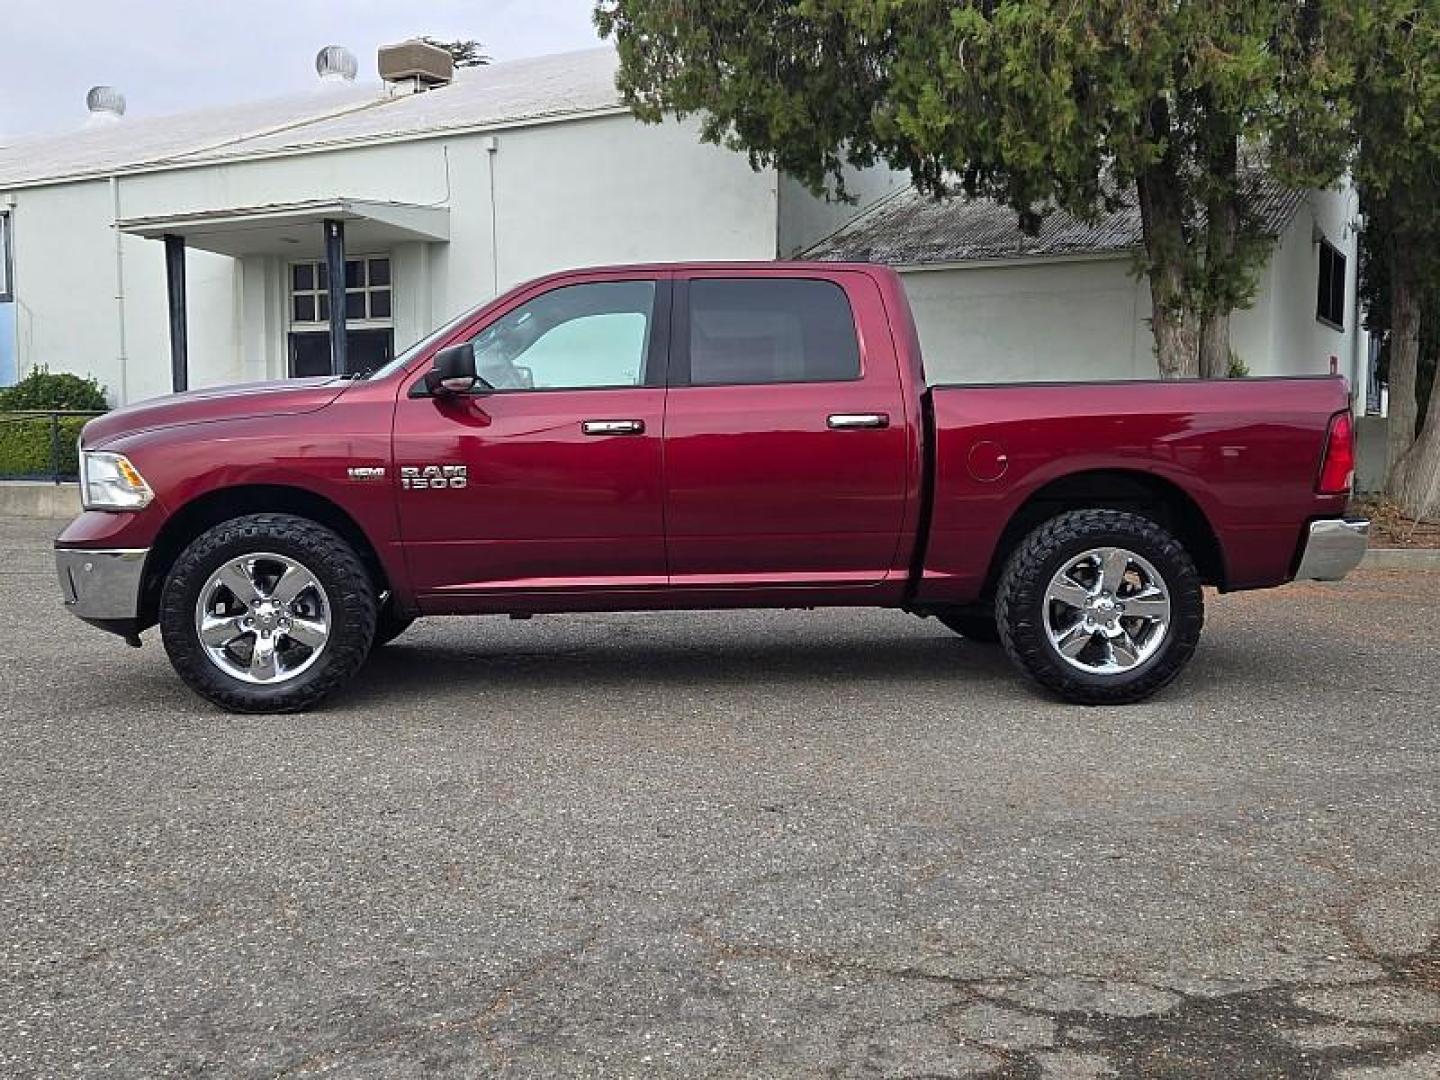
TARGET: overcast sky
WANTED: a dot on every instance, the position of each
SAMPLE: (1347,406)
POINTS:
(171,55)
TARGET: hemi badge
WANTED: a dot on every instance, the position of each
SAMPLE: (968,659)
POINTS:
(366,472)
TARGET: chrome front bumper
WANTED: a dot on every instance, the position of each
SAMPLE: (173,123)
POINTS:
(1333,548)
(101,585)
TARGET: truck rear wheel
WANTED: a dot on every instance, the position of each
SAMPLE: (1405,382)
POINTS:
(1100,607)
(267,613)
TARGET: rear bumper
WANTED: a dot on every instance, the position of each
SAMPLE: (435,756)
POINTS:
(1332,549)
(102,586)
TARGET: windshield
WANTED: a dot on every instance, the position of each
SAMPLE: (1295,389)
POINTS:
(403,358)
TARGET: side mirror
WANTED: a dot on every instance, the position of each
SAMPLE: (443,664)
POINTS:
(453,371)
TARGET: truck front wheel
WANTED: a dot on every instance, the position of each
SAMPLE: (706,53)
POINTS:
(267,613)
(1100,607)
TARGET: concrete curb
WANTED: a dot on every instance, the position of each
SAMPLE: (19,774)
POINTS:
(38,499)
(1401,559)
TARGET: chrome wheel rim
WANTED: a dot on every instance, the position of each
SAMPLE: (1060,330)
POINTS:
(1107,611)
(263,618)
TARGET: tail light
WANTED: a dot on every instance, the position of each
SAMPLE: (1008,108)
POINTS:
(1337,467)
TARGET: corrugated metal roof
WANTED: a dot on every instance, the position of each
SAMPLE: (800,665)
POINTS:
(914,229)
(511,92)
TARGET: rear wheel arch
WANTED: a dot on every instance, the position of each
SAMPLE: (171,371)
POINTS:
(1161,500)
(223,504)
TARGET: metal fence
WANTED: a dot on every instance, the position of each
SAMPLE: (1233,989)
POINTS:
(41,444)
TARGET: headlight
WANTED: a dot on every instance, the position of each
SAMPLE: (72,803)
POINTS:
(110,482)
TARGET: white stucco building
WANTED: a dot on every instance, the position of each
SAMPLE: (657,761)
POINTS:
(995,304)
(520,168)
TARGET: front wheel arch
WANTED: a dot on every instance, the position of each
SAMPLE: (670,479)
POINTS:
(224,504)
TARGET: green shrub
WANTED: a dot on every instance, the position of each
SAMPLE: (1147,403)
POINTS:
(25,446)
(44,389)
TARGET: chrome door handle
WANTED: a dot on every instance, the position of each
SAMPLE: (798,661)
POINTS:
(844,420)
(613,427)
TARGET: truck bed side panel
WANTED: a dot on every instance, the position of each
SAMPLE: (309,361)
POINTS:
(1245,451)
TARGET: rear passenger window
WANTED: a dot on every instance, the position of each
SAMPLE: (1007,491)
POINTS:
(770,330)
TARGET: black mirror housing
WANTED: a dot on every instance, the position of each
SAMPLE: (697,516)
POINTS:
(453,371)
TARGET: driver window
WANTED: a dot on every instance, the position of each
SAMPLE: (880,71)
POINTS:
(574,337)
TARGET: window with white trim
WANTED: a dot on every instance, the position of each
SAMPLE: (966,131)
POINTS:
(369,318)
(1330,290)
(367,292)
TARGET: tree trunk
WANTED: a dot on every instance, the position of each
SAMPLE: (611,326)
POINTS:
(1414,483)
(1413,480)
(1175,352)
(1172,319)
(1222,228)
(1162,224)
(1215,345)
(1404,363)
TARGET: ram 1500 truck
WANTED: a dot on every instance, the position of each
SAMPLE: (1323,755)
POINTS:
(698,436)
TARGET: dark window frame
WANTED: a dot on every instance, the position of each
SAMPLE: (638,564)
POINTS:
(680,333)
(7,261)
(353,353)
(1332,266)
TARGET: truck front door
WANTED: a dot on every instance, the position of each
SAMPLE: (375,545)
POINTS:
(548,479)
(788,456)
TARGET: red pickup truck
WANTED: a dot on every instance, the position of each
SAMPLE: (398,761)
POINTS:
(698,436)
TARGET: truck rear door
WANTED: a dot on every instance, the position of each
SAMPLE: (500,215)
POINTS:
(786,445)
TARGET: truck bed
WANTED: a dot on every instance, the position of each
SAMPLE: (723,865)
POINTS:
(1243,452)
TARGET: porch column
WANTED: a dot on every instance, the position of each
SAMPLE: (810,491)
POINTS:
(335,268)
(175,294)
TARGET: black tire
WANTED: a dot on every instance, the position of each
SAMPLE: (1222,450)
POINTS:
(1042,554)
(352,610)
(977,626)
(389,626)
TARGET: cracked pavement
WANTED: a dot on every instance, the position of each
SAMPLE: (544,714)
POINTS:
(824,843)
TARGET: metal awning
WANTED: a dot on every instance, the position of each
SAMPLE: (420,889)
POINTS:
(295,228)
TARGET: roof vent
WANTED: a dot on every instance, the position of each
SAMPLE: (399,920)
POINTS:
(415,65)
(106,105)
(335,64)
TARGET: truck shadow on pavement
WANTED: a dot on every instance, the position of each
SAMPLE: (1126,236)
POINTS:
(405,666)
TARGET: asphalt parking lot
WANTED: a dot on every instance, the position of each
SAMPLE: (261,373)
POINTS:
(740,844)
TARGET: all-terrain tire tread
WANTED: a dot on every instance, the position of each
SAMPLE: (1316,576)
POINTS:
(353,604)
(1024,581)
